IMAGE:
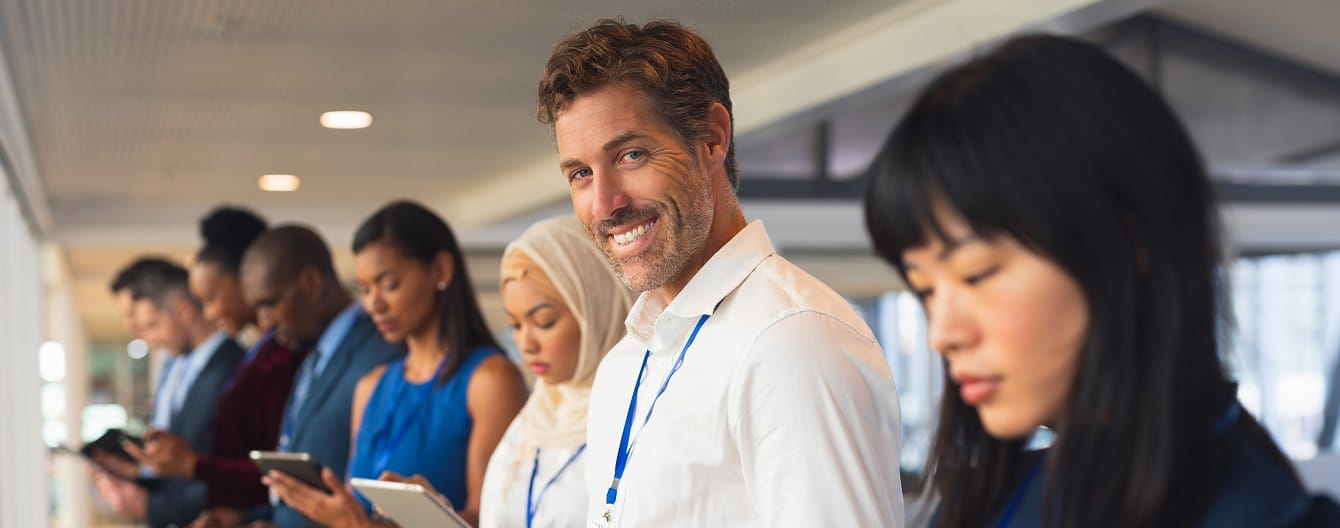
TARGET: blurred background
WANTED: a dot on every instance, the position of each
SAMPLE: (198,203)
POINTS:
(122,123)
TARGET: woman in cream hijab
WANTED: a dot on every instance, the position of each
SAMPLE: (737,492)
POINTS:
(566,308)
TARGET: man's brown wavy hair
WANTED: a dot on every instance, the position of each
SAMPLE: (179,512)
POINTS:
(669,63)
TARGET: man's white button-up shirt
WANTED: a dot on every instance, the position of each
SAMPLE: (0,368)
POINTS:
(783,413)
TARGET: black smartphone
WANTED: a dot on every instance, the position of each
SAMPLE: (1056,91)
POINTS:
(66,450)
(300,466)
(110,443)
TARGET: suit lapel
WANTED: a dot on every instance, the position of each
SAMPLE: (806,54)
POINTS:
(197,410)
(330,376)
(222,362)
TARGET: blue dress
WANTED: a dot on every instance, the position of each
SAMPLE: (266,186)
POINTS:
(419,428)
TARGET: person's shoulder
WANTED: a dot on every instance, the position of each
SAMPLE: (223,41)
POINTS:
(1256,490)
(626,351)
(495,374)
(365,389)
(778,290)
(1320,512)
(495,388)
(230,348)
(369,380)
(496,366)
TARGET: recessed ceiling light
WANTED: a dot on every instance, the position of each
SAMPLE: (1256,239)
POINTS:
(346,119)
(279,182)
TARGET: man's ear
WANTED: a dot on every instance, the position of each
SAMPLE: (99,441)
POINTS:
(718,137)
(183,309)
(310,283)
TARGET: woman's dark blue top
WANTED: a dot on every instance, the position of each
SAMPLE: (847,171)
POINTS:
(1254,492)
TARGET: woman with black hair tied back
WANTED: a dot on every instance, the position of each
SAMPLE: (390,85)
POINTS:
(227,232)
(1058,226)
(249,411)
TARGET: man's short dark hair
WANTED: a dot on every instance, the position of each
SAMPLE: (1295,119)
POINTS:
(129,276)
(153,278)
(289,249)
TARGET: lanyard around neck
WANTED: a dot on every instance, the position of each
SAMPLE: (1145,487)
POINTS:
(387,437)
(621,458)
(533,502)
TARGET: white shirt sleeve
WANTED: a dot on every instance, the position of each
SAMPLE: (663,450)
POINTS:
(814,414)
(496,509)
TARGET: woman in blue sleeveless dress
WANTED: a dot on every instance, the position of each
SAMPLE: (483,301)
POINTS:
(439,412)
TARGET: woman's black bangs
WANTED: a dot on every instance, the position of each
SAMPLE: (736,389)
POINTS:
(922,166)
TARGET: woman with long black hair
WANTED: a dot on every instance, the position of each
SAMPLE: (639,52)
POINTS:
(1059,228)
(439,411)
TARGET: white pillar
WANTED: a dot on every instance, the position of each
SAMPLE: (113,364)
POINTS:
(24,500)
(63,326)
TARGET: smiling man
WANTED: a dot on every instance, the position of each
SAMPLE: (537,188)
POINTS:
(746,393)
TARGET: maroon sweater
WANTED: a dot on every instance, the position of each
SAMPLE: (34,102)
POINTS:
(247,417)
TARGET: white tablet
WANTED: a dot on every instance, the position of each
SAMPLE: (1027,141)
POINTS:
(409,505)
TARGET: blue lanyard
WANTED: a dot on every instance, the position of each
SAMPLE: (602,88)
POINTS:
(533,502)
(387,437)
(305,373)
(621,458)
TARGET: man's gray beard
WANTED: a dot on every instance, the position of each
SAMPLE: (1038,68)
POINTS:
(691,238)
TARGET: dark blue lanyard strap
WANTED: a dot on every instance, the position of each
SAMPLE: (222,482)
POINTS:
(621,458)
(533,502)
(388,436)
(1019,494)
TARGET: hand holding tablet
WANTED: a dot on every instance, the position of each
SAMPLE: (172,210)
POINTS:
(300,466)
(409,505)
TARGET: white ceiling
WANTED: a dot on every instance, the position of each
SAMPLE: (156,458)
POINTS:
(132,104)
(1306,31)
(128,120)
(142,115)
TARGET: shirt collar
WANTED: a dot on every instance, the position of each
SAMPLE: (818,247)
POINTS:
(722,273)
(337,330)
(202,354)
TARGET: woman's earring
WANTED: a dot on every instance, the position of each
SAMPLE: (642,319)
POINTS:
(442,286)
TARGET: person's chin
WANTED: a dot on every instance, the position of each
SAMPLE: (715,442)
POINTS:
(552,380)
(640,278)
(1000,424)
(394,337)
(645,270)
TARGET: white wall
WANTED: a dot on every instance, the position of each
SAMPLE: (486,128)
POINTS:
(24,487)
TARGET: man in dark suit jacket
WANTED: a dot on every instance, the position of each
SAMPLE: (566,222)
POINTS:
(288,277)
(203,360)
